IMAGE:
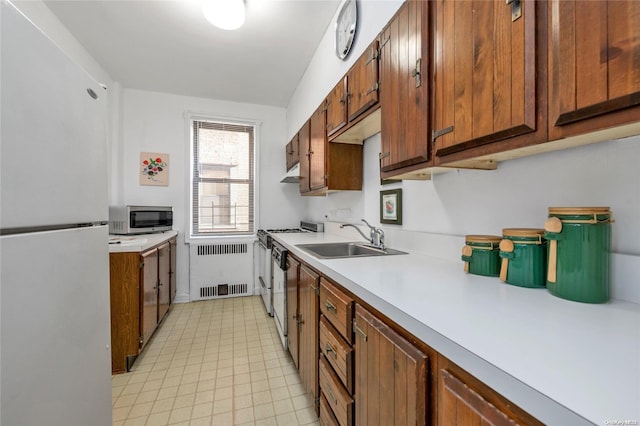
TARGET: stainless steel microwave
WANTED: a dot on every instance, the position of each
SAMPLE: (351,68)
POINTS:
(127,220)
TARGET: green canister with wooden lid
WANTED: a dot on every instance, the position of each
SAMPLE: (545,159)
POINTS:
(482,255)
(524,257)
(579,252)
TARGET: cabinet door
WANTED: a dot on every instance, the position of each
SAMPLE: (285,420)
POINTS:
(318,141)
(390,375)
(464,400)
(149,306)
(293,157)
(124,277)
(164,280)
(485,78)
(337,107)
(594,65)
(363,83)
(293,268)
(173,281)
(404,82)
(304,148)
(308,320)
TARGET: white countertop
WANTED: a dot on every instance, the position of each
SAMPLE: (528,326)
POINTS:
(138,243)
(564,362)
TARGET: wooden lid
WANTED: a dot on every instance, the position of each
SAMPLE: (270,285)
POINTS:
(522,232)
(574,211)
(483,239)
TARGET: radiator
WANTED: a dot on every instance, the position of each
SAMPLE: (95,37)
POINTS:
(221,270)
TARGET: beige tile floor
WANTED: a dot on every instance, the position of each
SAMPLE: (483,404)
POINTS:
(216,362)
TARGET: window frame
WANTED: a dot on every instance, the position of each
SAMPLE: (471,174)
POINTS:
(190,118)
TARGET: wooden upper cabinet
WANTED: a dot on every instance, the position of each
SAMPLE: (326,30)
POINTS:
(318,141)
(326,166)
(594,65)
(363,83)
(391,384)
(337,107)
(486,70)
(404,87)
(304,148)
(293,155)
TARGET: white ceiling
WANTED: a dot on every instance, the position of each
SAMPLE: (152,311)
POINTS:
(168,46)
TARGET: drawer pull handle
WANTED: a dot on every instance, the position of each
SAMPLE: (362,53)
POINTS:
(331,351)
(330,307)
(358,330)
(333,397)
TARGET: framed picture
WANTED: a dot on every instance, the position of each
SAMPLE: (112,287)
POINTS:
(154,169)
(391,206)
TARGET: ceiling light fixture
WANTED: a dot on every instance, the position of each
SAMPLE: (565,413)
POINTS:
(225,14)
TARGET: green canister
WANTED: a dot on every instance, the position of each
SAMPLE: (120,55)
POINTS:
(524,257)
(579,253)
(482,255)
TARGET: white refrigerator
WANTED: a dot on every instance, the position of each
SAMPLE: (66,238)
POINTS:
(55,355)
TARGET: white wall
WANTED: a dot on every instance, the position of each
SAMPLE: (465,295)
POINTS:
(476,202)
(155,122)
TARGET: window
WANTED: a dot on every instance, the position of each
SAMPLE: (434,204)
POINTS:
(222,183)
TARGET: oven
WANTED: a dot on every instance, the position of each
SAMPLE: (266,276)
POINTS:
(279,271)
(272,274)
(264,269)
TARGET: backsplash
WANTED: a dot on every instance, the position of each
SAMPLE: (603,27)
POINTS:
(624,268)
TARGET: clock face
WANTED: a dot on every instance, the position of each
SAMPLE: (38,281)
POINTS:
(346,25)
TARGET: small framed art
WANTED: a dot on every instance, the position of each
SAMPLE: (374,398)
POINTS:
(391,206)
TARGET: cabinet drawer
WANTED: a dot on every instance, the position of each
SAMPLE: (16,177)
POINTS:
(338,352)
(337,307)
(337,396)
(327,418)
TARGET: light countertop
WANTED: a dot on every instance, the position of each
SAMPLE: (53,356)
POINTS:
(138,243)
(564,362)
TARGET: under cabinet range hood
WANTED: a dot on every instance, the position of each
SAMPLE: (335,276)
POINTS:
(293,175)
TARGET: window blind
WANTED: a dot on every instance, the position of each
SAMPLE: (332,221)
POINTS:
(222,184)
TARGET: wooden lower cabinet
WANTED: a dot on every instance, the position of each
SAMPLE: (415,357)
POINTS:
(336,395)
(374,372)
(293,271)
(391,385)
(308,317)
(141,288)
(464,400)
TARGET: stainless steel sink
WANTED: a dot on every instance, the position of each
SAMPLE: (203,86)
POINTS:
(342,250)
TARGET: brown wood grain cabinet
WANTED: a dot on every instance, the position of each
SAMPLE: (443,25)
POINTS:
(164,280)
(336,105)
(142,288)
(293,271)
(391,386)
(327,166)
(489,78)
(594,65)
(404,90)
(173,285)
(464,400)
(308,317)
(363,83)
(293,155)
(374,372)
(354,99)
(149,306)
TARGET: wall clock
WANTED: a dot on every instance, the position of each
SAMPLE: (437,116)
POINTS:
(346,26)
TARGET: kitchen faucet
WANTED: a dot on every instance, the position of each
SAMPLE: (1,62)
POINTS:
(376,235)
